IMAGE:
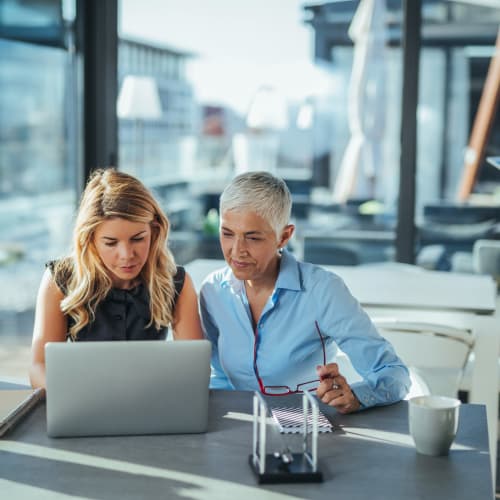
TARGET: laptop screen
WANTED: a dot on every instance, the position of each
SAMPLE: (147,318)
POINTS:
(127,387)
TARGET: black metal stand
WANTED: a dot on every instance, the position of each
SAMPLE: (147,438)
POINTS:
(276,471)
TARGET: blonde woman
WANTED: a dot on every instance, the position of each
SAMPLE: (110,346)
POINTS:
(120,282)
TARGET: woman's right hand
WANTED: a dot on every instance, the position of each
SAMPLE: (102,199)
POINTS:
(334,389)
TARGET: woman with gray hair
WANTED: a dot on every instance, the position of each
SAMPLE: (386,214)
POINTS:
(275,323)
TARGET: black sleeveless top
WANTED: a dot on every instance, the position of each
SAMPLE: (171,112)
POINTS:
(123,314)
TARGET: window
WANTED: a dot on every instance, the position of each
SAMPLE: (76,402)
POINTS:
(233,101)
(38,166)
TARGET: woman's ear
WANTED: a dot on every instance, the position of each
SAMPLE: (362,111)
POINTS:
(286,234)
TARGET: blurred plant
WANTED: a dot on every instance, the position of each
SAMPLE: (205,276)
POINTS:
(10,254)
(371,207)
(211,223)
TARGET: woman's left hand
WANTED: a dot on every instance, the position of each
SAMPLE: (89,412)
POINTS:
(334,389)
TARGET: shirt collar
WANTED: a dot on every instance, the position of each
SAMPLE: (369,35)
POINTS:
(230,280)
(288,278)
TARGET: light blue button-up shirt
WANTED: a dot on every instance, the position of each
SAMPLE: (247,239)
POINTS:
(287,345)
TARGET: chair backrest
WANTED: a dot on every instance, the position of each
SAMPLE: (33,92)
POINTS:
(486,258)
(419,386)
(437,353)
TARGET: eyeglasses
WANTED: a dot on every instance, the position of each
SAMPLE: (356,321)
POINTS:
(282,390)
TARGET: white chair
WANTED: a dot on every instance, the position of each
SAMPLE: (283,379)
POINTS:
(484,336)
(435,353)
(486,258)
(419,386)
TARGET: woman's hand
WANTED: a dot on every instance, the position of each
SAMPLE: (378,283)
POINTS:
(334,389)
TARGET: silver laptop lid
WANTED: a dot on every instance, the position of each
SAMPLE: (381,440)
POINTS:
(129,387)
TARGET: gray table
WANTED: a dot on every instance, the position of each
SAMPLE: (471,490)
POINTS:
(369,455)
(412,294)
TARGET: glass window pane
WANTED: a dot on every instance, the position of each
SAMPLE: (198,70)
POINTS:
(320,105)
(229,101)
(35,21)
(38,165)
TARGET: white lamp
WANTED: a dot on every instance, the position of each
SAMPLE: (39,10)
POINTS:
(139,100)
(268,110)
(305,116)
(305,122)
(257,149)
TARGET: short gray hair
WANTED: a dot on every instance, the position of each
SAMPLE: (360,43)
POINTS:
(262,193)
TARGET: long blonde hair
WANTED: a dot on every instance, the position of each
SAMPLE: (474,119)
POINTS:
(110,193)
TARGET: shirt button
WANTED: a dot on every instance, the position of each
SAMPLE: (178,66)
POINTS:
(118,317)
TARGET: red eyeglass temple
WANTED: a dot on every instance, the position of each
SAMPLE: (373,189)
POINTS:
(322,341)
(262,387)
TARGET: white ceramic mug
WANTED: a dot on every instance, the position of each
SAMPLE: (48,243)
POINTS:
(433,423)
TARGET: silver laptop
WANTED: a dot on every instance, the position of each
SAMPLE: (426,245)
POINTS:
(127,387)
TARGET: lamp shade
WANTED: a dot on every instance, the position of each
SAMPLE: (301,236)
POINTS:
(139,99)
(268,110)
(305,116)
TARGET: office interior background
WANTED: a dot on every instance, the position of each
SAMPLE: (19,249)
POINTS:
(366,115)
